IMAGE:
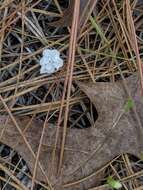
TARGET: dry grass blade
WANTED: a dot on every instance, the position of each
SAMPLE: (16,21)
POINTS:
(13,177)
(38,153)
(14,185)
(133,40)
(71,59)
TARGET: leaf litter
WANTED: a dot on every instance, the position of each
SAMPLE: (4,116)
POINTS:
(116,121)
(116,131)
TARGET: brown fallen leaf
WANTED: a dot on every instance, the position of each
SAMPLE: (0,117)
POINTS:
(86,150)
(86,7)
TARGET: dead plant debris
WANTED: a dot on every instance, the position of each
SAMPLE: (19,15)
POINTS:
(108,47)
(115,132)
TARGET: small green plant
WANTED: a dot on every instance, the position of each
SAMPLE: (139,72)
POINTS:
(129,105)
(115,184)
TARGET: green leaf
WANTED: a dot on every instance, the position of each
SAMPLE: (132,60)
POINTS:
(129,104)
(114,183)
(141,156)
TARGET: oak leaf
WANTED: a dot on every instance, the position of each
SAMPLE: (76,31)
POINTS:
(86,150)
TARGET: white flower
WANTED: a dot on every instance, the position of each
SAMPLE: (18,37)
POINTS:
(51,61)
